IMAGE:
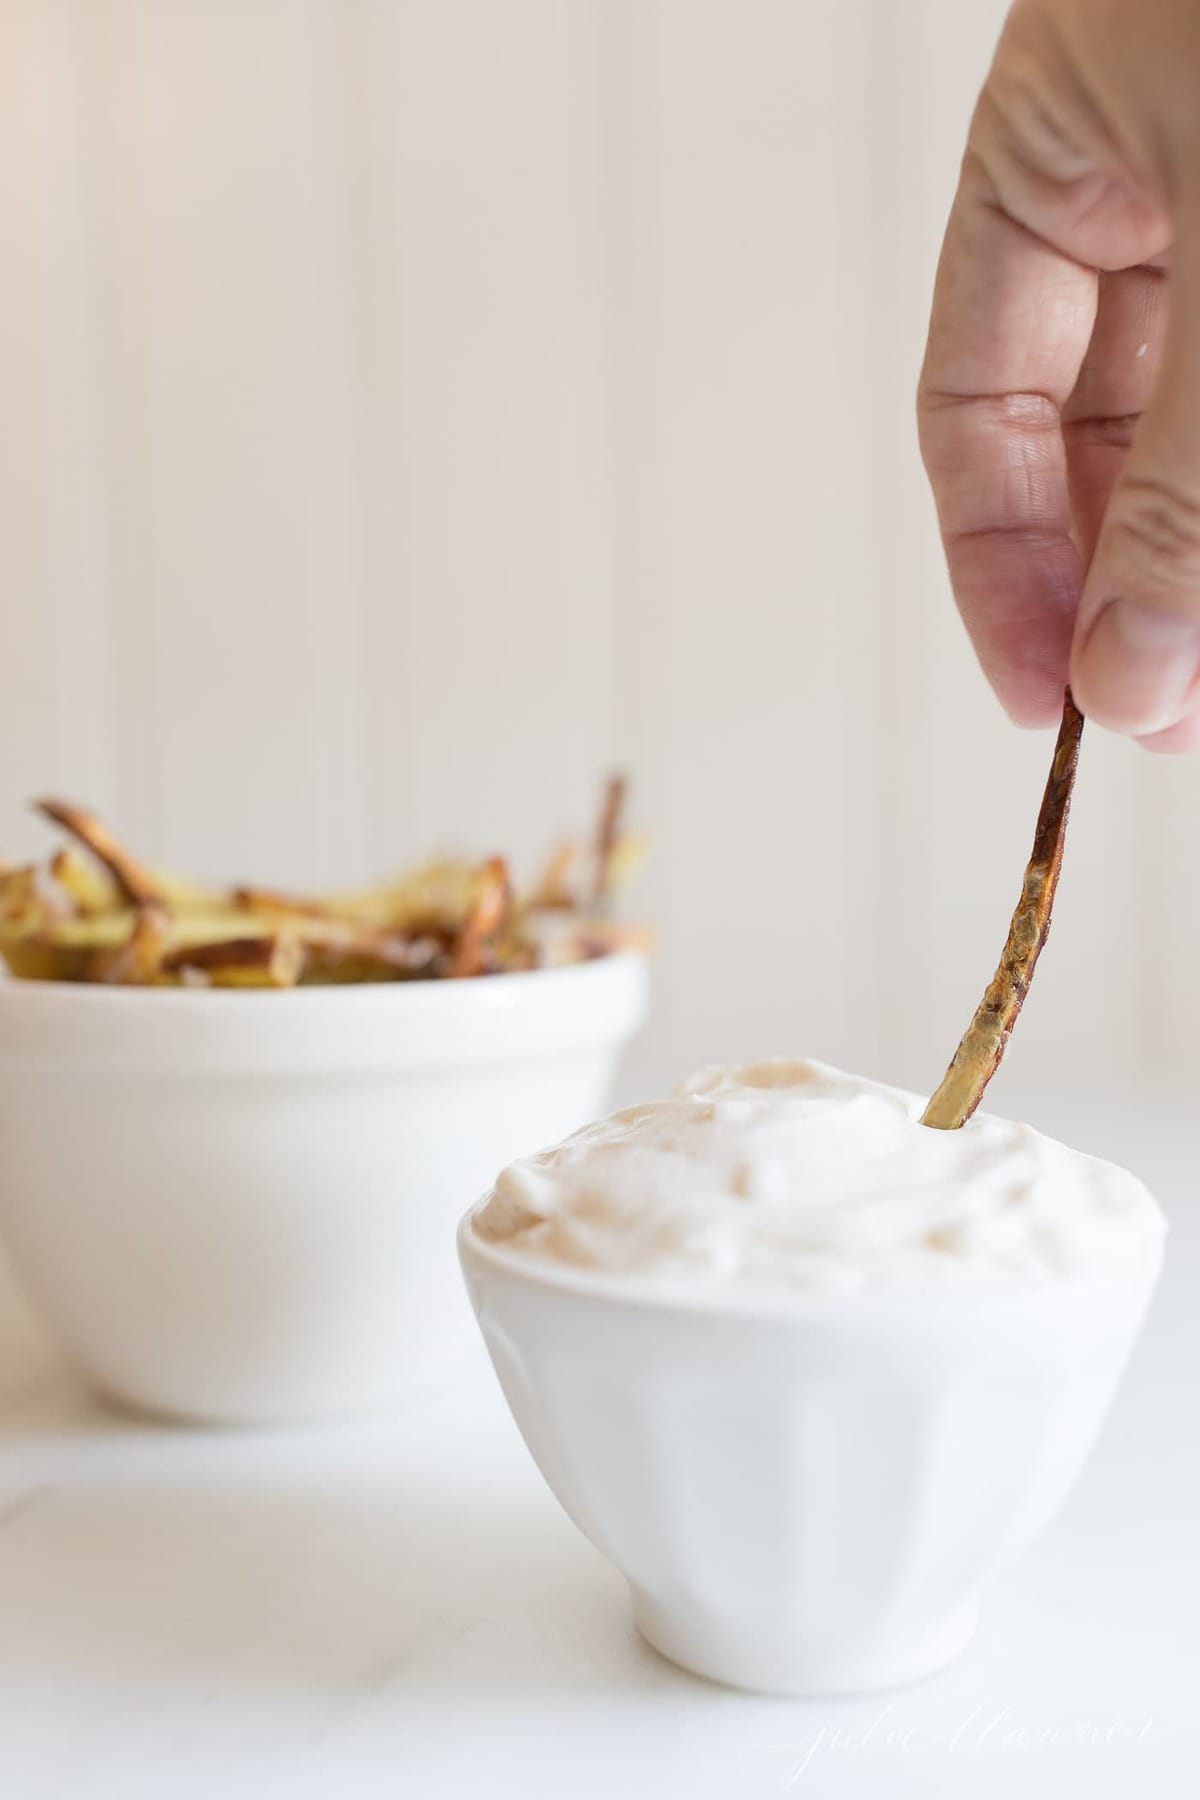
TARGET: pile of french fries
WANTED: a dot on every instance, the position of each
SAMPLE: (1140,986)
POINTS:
(97,914)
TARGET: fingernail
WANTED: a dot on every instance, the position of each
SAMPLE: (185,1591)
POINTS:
(1138,667)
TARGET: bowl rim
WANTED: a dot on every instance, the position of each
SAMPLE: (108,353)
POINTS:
(505,987)
(418,1027)
(675,1296)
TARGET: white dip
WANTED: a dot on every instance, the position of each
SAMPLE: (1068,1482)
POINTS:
(792,1174)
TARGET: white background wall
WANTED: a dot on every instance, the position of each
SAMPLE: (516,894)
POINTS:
(408,408)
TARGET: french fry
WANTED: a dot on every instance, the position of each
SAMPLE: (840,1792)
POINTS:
(398,959)
(629,852)
(44,947)
(485,916)
(218,924)
(20,899)
(30,960)
(432,898)
(105,917)
(271,901)
(276,961)
(554,888)
(183,895)
(605,937)
(136,962)
(342,949)
(135,882)
(565,938)
(978,1055)
(91,888)
(336,941)
(608,831)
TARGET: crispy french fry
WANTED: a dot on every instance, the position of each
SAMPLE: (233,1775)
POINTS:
(432,898)
(33,961)
(486,915)
(91,888)
(24,917)
(182,895)
(136,962)
(554,888)
(75,936)
(356,947)
(106,917)
(218,924)
(608,831)
(271,901)
(342,949)
(276,961)
(629,852)
(403,959)
(978,1055)
(135,882)
(604,937)
(563,938)
(20,900)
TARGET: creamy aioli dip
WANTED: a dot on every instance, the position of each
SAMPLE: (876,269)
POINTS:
(792,1174)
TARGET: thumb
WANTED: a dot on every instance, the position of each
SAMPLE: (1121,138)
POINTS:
(1135,662)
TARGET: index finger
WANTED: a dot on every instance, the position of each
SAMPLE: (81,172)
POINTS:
(1011,321)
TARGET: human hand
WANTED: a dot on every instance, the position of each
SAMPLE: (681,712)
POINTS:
(1059,404)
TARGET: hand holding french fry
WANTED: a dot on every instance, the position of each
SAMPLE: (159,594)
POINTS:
(1060,399)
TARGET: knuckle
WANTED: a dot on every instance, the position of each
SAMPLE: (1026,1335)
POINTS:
(1102,432)
(1033,116)
(1033,126)
(1155,524)
(1009,429)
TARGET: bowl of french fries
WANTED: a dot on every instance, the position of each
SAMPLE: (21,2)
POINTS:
(237,1126)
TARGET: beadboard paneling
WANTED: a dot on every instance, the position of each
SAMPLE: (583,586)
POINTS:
(412,408)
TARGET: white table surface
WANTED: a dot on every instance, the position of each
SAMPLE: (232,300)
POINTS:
(398,1608)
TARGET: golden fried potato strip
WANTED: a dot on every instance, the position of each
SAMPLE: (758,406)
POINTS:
(106,917)
(272,901)
(554,888)
(276,961)
(978,1055)
(485,917)
(135,882)
(608,832)
(136,962)
(20,900)
(92,889)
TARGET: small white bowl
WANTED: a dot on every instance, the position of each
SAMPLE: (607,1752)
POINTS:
(805,1492)
(240,1205)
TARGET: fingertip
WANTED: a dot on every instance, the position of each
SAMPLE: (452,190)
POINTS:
(1135,668)
(1018,601)
(1026,663)
(1176,740)
(1034,711)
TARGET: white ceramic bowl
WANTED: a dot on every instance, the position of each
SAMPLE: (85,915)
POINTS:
(806,1493)
(241,1205)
